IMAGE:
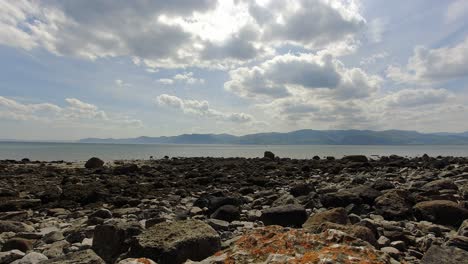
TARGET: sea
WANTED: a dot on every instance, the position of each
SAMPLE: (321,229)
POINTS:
(47,151)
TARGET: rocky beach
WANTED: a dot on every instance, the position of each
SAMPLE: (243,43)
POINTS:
(356,209)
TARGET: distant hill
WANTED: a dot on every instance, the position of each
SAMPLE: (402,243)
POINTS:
(303,137)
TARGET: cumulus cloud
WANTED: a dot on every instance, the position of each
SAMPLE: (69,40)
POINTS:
(432,65)
(373,58)
(173,34)
(416,97)
(75,111)
(184,77)
(201,108)
(309,23)
(282,74)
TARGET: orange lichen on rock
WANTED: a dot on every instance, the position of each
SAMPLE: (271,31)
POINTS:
(275,244)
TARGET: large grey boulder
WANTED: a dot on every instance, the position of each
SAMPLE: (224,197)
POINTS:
(442,254)
(176,242)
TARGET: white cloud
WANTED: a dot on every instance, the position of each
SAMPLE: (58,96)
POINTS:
(175,34)
(75,112)
(201,108)
(415,98)
(456,10)
(310,23)
(282,75)
(376,30)
(373,58)
(187,77)
(432,65)
(165,81)
(184,77)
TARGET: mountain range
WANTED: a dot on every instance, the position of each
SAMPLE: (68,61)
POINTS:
(303,137)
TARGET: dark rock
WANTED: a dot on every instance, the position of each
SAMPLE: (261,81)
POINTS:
(459,242)
(340,199)
(301,189)
(10,256)
(269,155)
(19,204)
(176,242)
(394,204)
(13,226)
(437,185)
(442,254)
(381,184)
(51,194)
(113,238)
(19,244)
(227,213)
(94,163)
(441,212)
(101,213)
(126,169)
(287,215)
(214,202)
(355,158)
(6,192)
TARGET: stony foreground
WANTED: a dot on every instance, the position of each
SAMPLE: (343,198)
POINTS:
(235,210)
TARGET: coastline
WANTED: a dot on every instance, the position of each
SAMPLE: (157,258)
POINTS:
(397,209)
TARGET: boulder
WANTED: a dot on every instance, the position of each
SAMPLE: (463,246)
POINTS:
(444,254)
(336,215)
(176,242)
(214,202)
(301,189)
(101,213)
(18,243)
(126,169)
(113,238)
(355,158)
(94,163)
(340,199)
(52,237)
(18,204)
(269,155)
(275,244)
(443,212)
(79,257)
(31,258)
(394,204)
(227,213)
(438,185)
(13,226)
(286,215)
(10,256)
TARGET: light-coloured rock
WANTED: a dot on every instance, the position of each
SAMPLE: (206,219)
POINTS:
(176,242)
(31,258)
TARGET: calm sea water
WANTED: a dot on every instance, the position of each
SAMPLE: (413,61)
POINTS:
(81,152)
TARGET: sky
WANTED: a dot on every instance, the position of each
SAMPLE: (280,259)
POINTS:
(116,68)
